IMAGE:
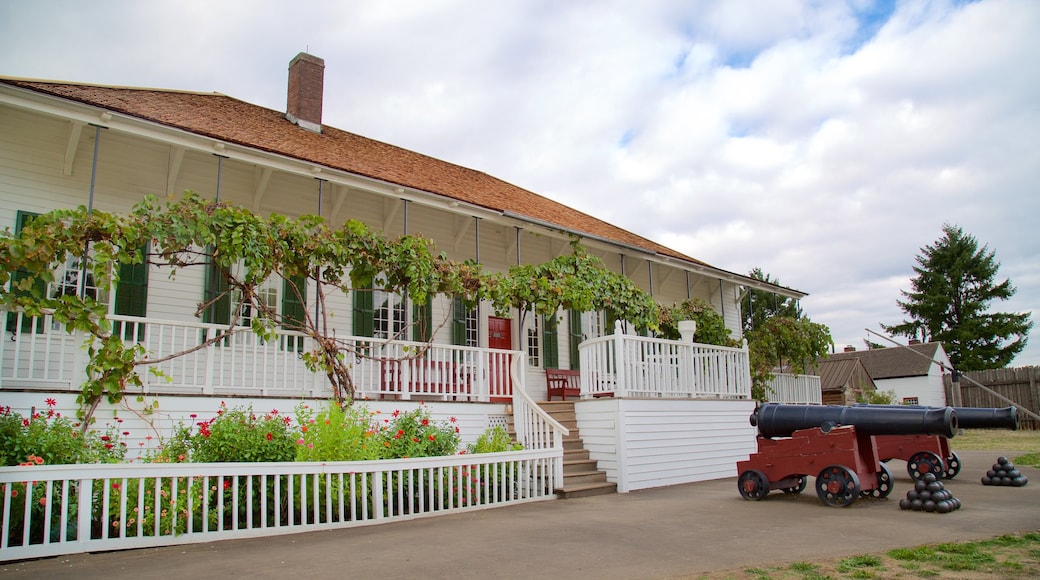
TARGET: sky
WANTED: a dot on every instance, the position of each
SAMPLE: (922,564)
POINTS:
(825,142)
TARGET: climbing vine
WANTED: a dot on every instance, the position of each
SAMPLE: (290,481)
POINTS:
(245,249)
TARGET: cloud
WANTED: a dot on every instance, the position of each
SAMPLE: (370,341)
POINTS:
(825,142)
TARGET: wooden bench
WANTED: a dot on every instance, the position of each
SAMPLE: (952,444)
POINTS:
(562,382)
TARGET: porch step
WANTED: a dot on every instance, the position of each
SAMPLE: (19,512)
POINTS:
(581,476)
(572,491)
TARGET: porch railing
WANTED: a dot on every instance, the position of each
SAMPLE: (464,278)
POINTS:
(41,354)
(50,510)
(794,389)
(624,365)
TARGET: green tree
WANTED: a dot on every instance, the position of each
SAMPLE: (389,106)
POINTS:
(949,301)
(757,306)
(781,342)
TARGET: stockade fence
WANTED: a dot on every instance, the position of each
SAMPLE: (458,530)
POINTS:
(1021,385)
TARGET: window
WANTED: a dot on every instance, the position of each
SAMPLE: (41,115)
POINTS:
(534,358)
(910,401)
(463,324)
(285,297)
(378,313)
(574,337)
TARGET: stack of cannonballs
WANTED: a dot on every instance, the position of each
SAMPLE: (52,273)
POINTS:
(930,495)
(1004,473)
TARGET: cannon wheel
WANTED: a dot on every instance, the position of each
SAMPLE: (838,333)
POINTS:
(753,485)
(837,486)
(884,484)
(953,466)
(797,488)
(924,462)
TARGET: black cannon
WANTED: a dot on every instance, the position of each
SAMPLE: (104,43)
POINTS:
(795,441)
(924,454)
(777,420)
(969,417)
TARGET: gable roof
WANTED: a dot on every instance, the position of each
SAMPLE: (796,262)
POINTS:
(894,362)
(837,373)
(230,120)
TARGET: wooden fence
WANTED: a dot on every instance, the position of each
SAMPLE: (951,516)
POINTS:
(1021,385)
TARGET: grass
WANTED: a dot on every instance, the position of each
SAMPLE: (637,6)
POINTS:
(1003,557)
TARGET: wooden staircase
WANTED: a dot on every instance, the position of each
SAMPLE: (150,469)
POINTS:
(581,478)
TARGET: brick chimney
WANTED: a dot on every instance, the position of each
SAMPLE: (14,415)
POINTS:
(306,90)
(850,348)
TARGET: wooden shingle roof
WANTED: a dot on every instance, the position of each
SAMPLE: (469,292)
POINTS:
(895,362)
(836,374)
(231,120)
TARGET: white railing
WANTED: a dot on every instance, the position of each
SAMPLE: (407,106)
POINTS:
(44,355)
(794,389)
(50,510)
(624,365)
(535,428)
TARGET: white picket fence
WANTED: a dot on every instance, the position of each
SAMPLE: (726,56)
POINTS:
(50,510)
(794,389)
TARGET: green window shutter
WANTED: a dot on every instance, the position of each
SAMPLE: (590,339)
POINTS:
(550,342)
(458,322)
(132,294)
(574,337)
(216,285)
(39,286)
(364,323)
(294,302)
(422,319)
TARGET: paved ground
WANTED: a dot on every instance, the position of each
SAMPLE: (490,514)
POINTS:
(660,533)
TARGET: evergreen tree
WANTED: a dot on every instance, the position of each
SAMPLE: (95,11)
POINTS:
(949,301)
(757,306)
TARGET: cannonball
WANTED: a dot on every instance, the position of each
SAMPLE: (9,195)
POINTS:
(943,507)
(1013,473)
(929,477)
(1002,460)
(987,480)
(1005,480)
(956,503)
(913,494)
(924,495)
(935,486)
(991,473)
(916,505)
(1019,481)
(920,485)
(929,506)
(904,504)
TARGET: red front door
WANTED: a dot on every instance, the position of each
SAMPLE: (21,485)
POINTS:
(500,335)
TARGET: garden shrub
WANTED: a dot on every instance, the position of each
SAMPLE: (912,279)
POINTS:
(413,434)
(55,439)
(338,433)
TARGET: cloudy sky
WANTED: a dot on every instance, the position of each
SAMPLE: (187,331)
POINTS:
(826,142)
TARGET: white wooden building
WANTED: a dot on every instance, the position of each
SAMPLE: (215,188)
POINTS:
(68,144)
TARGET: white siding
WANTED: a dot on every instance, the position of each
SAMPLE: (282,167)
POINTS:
(651,443)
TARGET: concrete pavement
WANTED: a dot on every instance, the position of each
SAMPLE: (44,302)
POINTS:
(660,533)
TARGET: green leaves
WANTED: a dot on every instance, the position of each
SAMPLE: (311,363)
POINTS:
(949,302)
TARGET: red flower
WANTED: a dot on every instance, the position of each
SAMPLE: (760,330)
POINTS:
(287,419)
(415,439)
(396,412)
(104,438)
(453,420)
(303,429)
(270,436)
(432,438)
(193,415)
(425,421)
(51,402)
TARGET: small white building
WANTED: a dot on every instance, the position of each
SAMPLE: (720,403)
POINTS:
(913,372)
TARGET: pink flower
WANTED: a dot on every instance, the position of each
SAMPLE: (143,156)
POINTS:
(453,420)
(300,441)
(51,402)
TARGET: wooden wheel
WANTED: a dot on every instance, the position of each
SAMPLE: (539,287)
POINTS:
(753,485)
(837,486)
(884,484)
(924,462)
(953,466)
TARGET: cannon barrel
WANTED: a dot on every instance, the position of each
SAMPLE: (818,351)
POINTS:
(778,420)
(972,417)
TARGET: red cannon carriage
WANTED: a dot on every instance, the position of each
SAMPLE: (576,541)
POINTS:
(931,453)
(834,444)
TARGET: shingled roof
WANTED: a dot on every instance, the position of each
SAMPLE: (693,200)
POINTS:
(895,362)
(233,121)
